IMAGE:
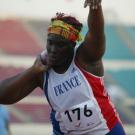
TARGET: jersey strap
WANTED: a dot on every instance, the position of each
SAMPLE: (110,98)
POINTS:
(55,124)
(46,88)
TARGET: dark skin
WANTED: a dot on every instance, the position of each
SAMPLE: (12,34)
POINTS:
(60,53)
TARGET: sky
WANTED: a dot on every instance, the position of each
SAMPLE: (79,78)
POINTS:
(114,10)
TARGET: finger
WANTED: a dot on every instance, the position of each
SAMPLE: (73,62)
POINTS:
(98,3)
(93,7)
(43,68)
(85,3)
(95,3)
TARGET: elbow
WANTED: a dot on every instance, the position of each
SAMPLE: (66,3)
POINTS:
(6,100)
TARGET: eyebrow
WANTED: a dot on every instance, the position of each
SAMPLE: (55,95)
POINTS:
(57,40)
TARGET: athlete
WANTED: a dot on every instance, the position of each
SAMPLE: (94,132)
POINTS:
(71,76)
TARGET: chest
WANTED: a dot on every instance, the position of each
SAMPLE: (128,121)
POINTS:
(69,89)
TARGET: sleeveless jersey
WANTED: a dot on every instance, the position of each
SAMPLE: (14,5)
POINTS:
(80,103)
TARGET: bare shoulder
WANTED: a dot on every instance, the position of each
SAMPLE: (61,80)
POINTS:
(93,66)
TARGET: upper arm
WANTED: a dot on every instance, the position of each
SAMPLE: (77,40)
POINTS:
(90,52)
(17,87)
(93,47)
(40,80)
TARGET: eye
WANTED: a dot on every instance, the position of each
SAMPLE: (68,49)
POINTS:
(63,44)
(49,42)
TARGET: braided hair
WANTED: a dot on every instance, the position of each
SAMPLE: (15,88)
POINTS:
(68,19)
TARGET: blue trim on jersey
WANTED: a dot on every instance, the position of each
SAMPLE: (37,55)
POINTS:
(46,88)
(55,123)
(46,85)
(117,130)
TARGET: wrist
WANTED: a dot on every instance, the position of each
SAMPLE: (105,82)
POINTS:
(93,4)
(95,7)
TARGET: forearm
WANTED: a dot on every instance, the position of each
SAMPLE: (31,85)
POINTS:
(15,88)
(94,42)
(96,22)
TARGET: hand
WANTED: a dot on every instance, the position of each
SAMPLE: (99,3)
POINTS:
(40,65)
(94,4)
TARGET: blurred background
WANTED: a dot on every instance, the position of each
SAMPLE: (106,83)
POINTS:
(23,27)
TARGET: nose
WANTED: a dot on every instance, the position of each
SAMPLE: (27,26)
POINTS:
(53,49)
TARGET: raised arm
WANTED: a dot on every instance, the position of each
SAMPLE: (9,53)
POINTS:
(17,87)
(92,48)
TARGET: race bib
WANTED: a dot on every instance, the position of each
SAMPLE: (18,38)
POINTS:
(81,117)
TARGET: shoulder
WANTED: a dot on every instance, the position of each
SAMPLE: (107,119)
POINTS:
(94,67)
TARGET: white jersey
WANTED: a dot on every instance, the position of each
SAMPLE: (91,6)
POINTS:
(79,101)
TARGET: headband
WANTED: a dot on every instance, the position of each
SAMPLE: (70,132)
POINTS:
(65,30)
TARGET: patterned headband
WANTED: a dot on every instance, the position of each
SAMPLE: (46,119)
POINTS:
(65,30)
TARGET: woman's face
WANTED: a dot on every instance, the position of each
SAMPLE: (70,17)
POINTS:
(59,49)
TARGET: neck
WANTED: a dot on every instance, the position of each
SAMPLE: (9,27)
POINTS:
(62,68)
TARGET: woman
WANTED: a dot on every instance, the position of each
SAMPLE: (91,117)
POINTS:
(72,78)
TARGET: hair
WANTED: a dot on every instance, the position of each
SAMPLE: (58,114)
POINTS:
(68,19)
